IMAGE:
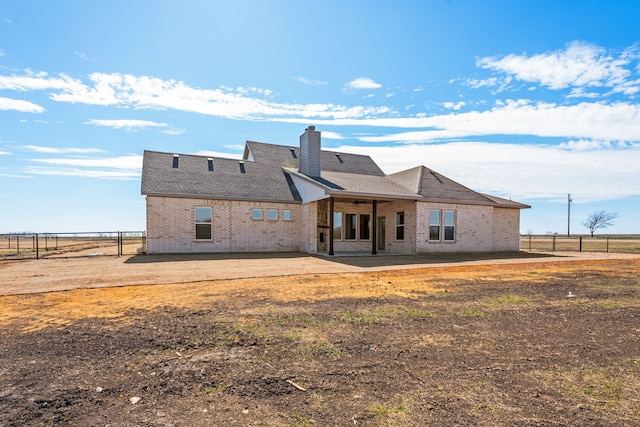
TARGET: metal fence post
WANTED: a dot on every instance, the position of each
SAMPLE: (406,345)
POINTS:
(607,244)
(18,243)
(580,243)
(37,251)
(554,243)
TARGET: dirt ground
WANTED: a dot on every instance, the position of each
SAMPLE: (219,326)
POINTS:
(525,340)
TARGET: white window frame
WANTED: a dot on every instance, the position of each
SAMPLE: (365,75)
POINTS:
(287,215)
(400,225)
(254,214)
(438,224)
(197,223)
(273,217)
(337,215)
(453,225)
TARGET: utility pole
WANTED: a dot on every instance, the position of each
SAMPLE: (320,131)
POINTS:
(569,200)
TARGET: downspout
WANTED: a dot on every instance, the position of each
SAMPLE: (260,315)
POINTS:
(331,225)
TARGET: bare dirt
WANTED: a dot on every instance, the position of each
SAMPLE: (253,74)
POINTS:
(527,340)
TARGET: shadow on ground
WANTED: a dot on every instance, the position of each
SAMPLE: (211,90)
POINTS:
(355,260)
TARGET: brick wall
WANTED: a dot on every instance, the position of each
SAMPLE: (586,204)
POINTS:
(171,227)
(506,229)
(478,228)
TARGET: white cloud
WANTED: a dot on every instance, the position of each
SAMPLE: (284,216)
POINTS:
(38,81)
(56,150)
(309,82)
(218,154)
(10,175)
(81,55)
(454,105)
(331,135)
(363,83)
(122,168)
(599,121)
(174,131)
(4,153)
(20,105)
(131,161)
(86,173)
(523,172)
(579,65)
(129,125)
(588,145)
(1,52)
(151,93)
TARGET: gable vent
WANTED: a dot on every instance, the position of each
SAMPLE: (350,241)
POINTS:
(210,164)
(241,163)
(176,158)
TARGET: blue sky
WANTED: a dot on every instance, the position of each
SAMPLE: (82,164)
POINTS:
(524,100)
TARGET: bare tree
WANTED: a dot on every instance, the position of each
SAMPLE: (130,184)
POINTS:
(602,219)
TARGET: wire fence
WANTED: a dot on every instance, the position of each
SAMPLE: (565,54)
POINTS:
(67,245)
(119,243)
(585,243)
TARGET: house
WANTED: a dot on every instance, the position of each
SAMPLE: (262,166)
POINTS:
(280,198)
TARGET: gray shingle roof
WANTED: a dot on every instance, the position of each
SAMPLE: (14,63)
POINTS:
(266,178)
(433,186)
(192,178)
(282,156)
(367,185)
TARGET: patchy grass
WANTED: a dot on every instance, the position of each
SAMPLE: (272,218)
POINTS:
(510,299)
(472,312)
(325,348)
(388,410)
(418,313)
(598,387)
(362,318)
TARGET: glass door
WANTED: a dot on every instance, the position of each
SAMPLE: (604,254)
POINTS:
(381,232)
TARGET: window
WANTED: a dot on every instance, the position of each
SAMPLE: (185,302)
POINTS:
(449,225)
(203,223)
(256,214)
(337,225)
(365,226)
(434,225)
(272,214)
(350,226)
(287,215)
(399,225)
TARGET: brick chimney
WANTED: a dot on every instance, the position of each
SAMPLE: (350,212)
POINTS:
(310,152)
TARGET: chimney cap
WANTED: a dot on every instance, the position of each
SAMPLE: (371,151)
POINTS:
(311,128)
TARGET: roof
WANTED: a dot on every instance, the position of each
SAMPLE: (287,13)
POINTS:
(359,185)
(331,161)
(265,172)
(192,178)
(434,186)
